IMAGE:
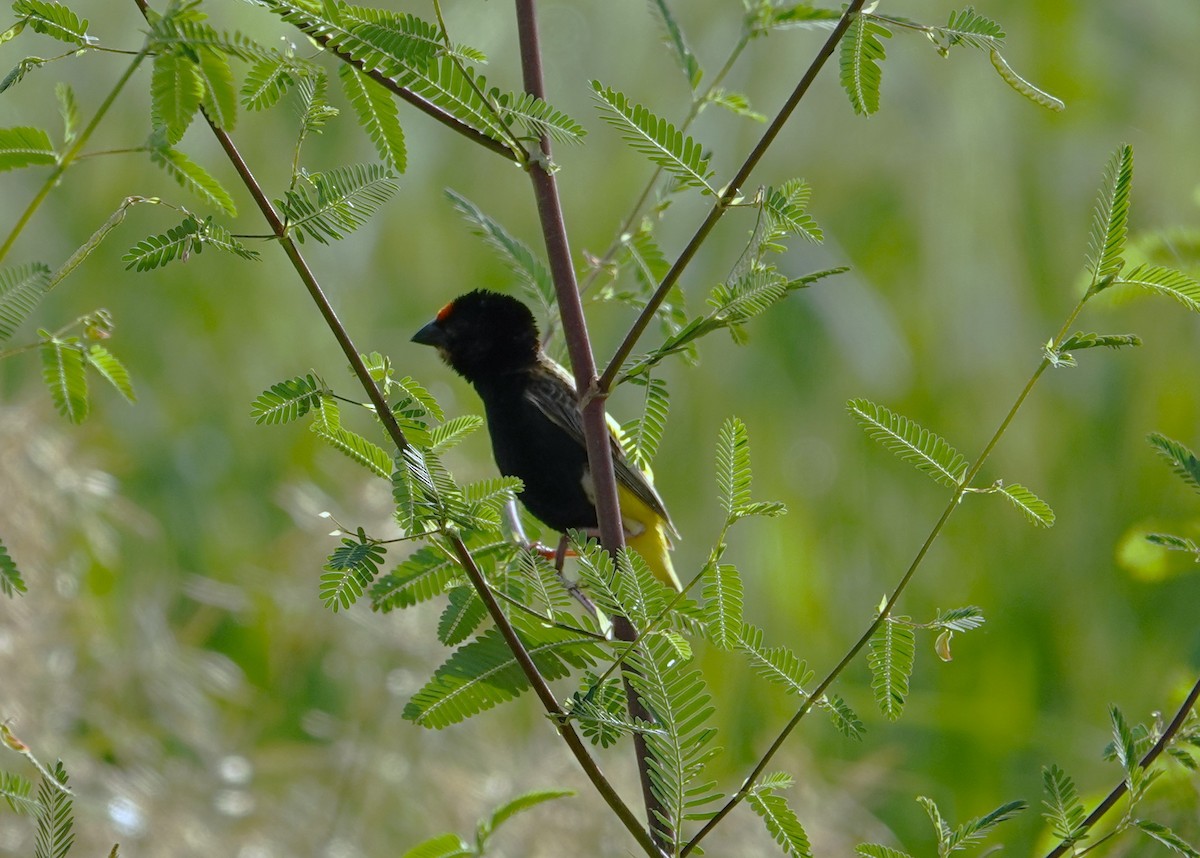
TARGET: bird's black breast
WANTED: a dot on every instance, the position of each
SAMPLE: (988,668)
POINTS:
(546,459)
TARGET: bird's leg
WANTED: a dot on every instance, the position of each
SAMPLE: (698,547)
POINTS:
(558,555)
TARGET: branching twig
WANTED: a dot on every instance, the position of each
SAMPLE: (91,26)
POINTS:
(1123,787)
(726,199)
(951,505)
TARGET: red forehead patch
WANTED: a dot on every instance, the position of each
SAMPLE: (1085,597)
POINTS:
(444,313)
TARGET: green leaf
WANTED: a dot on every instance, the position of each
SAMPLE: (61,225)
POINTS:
(193,178)
(442,846)
(733,466)
(641,437)
(723,595)
(15,790)
(844,718)
(1035,509)
(959,619)
(891,661)
(339,202)
(778,665)
(875,850)
(527,265)
(186,32)
(735,102)
(680,742)
(1165,281)
(456,90)
(910,441)
(1110,221)
(220,94)
(939,824)
(327,426)
(54,20)
(1167,837)
(1022,86)
(351,568)
(462,616)
(601,711)
(968,28)
(485,673)
(429,571)
(786,210)
(654,137)
(267,81)
(1174,543)
(155,251)
(111,369)
(21,290)
(781,821)
(520,804)
(1064,811)
(68,109)
(674,38)
(63,372)
(286,401)
(452,432)
(387,41)
(11,583)
(1079,341)
(538,117)
(861,53)
(1124,743)
(25,147)
(56,818)
(974,830)
(378,115)
(176,91)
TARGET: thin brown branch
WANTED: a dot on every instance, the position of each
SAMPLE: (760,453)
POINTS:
(583,362)
(727,197)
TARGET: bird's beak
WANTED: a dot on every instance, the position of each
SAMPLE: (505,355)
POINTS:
(430,335)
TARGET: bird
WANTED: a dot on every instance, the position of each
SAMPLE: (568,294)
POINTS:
(536,427)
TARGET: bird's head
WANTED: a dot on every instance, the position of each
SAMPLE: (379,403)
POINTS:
(483,334)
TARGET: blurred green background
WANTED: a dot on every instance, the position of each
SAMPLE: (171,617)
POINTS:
(172,649)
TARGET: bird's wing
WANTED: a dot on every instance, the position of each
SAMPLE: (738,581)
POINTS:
(552,390)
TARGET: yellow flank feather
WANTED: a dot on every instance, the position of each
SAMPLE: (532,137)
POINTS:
(646,533)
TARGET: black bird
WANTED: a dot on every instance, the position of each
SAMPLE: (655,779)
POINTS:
(534,421)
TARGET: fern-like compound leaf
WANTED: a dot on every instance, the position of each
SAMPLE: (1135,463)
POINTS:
(910,441)
(193,178)
(1031,506)
(11,583)
(1110,220)
(781,822)
(378,115)
(861,53)
(1165,281)
(521,260)
(286,401)
(892,649)
(111,370)
(24,146)
(21,290)
(63,366)
(655,137)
